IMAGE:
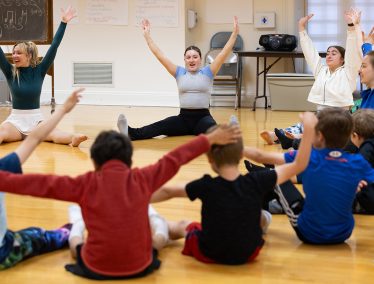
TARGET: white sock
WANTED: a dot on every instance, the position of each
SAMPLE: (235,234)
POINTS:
(265,220)
(234,120)
(122,124)
(158,224)
(75,217)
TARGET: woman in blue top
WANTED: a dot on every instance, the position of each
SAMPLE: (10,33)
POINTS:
(25,79)
(194,86)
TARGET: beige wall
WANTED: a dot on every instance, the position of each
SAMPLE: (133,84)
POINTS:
(287,11)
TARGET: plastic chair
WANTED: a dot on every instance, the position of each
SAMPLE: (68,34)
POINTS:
(229,76)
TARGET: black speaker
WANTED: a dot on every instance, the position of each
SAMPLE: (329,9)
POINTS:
(278,42)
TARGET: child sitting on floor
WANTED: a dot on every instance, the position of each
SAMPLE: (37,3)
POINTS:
(19,245)
(114,202)
(329,182)
(230,231)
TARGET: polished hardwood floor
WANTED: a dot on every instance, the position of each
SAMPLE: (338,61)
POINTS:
(284,259)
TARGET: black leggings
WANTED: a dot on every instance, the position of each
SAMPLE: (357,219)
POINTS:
(188,122)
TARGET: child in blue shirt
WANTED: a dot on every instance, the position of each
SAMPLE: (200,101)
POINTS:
(19,245)
(329,182)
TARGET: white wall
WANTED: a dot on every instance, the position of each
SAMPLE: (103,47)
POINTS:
(139,79)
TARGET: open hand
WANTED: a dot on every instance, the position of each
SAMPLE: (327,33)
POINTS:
(352,16)
(368,38)
(72,100)
(303,21)
(224,134)
(146,27)
(68,14)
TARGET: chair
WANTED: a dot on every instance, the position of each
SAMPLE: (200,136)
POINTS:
(228,77)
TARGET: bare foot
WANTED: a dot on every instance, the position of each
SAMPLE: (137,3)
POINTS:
(289,135)
(77,139)
(177,230)
(268,136)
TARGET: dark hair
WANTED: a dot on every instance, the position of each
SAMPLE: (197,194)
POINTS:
(336,126)
(111,145)
(229,154)
(192,47)
(339,48)
(371,55)
(363,123)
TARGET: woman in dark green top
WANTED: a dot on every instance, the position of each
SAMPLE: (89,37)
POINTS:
(25,79)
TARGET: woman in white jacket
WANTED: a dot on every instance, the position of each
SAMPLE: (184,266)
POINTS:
(335,81)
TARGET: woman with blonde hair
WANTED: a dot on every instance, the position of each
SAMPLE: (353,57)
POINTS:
(25,79)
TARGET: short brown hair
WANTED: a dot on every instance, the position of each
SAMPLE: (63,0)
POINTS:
(371,56)
(229,154)
(363,123)
(336,126)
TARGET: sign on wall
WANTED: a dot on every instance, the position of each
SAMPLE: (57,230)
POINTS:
(108,12)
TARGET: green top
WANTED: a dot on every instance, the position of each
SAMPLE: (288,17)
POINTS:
(26,93)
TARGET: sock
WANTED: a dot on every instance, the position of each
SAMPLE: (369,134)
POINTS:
(234,120)
(158,223)
(122,124)
(286,142)
(265,220)
(75,217)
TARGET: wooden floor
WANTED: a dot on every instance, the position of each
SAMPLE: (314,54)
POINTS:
(282,260)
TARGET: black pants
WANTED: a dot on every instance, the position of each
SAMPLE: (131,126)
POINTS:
(188,122)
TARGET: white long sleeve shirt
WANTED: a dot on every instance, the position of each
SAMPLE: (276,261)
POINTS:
(333,89)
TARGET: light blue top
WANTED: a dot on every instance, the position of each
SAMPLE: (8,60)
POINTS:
(194,88)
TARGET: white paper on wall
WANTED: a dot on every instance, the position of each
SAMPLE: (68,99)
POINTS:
(161,13)
(223,11)
(107,12)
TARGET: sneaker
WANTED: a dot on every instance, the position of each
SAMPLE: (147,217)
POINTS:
(275,207)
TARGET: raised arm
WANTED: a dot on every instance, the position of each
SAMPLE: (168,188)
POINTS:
(311,54)
(5,66)
(368,41)
(170,66)
(43,129)
(353,53)
(221,57)
(66,16)
(168,192)
(286,171)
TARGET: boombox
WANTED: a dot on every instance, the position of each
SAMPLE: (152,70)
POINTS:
(278,42)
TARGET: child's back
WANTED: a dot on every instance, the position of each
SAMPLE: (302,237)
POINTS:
(231,213)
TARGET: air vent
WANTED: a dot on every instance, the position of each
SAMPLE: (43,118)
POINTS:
(93,73)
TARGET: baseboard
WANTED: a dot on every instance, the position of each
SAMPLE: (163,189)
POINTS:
(170,99)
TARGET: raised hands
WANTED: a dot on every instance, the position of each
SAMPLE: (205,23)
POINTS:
(146,27)
(369,38)
(303,21)
(68,14)
(352,16)
(72,100)
(309,120)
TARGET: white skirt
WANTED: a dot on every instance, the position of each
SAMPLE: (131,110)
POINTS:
(25,120)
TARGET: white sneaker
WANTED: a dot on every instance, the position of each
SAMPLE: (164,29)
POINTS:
(158,225)
(265,220)
(75,214)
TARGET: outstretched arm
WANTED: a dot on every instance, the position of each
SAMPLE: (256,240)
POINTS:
(353,54)
(221,57)
(168,192)
(66,16)
(263,157)
(287,171)
(170,66)
(43,129)
(311,54)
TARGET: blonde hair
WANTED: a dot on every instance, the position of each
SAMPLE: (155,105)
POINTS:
(30,49)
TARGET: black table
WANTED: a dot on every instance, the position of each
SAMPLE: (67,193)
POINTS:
(265,54)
